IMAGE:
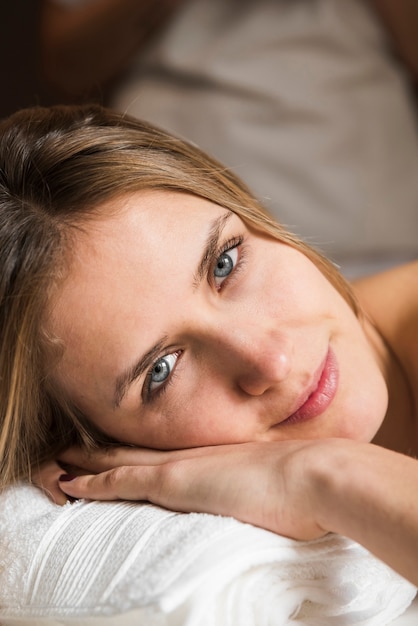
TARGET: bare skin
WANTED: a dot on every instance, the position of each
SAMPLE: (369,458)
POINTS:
(302,489)
(300,476)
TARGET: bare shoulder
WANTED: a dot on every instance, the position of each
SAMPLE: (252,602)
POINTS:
(390,299)
(390,302)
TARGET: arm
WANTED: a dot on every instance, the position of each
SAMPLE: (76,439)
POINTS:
(301,489)
(88,45)
(60,564)
(401,19)
(370,494)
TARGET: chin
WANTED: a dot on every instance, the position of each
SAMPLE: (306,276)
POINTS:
(364,426)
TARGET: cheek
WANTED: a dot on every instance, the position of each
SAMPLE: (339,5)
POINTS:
(287,284)
(201,423)
(205,419)
(363,400)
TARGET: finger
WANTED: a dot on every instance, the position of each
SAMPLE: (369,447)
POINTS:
(172,485)
(102,459)
(55,494)
(177,485)
(120,483)
(47,479)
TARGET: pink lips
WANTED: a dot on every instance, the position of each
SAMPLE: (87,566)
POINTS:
(321,394)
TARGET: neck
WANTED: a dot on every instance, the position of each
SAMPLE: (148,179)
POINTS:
(391,302)
(398,431)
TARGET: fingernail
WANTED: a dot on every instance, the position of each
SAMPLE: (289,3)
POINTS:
(66,478)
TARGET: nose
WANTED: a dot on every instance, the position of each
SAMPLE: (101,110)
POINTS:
(263,370)
(254,358)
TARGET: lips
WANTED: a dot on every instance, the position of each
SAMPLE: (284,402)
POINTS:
(321,393)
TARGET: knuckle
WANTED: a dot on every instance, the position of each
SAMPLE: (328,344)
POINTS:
(114,477)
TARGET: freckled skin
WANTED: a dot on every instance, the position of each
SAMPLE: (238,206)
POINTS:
(234,356)
(243,345)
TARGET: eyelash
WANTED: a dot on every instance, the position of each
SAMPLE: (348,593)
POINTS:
(230,244)
(151,396)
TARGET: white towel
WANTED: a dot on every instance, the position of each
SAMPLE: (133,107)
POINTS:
(127,564)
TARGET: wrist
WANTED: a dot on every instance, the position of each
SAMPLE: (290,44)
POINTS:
(335,479)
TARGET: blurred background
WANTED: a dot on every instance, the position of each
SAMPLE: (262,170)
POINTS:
(22,75)
(18,50)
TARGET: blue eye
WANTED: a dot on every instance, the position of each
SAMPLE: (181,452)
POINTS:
(162,370)
(225,264)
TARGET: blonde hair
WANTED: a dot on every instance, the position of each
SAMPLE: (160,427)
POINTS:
(57,165)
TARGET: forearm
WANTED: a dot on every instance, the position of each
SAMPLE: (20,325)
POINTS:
(401,20)
(88,45)
(370,494)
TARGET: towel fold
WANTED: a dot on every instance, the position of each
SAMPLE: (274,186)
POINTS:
(128,564)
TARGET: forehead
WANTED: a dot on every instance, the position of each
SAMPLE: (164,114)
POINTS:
(146,215)
(127,229)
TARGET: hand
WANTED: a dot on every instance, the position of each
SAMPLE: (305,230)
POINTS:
(47,479)
(80,461)
(266,484)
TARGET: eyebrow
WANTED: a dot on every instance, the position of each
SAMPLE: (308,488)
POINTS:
(210,248)
(127,377)
(130,375)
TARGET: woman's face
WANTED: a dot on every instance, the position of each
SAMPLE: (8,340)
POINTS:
(183,327)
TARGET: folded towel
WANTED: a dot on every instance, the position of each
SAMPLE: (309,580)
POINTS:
(128,564)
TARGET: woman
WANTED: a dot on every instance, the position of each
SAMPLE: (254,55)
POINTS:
(148,300)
